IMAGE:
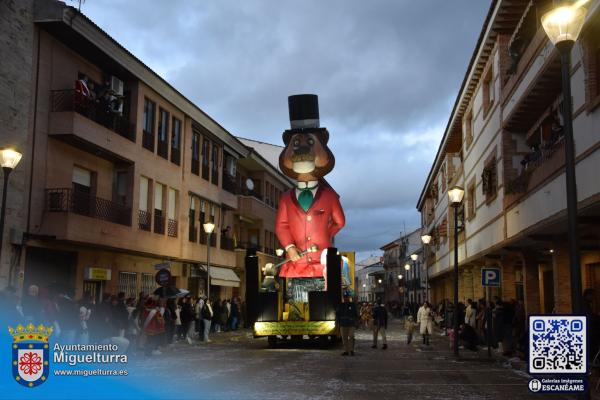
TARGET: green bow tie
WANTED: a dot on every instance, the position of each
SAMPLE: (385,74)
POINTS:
(305,199)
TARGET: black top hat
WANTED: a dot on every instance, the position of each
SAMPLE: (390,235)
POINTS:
(304,111)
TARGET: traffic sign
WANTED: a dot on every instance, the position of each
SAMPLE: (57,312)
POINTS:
(490,277)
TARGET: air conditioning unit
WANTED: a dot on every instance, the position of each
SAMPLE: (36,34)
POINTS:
(116,85)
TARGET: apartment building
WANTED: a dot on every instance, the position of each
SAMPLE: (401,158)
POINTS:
(369,279)
(405,278)
(504,145)
(126,170)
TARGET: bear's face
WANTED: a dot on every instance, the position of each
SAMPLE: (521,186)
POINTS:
(306,156)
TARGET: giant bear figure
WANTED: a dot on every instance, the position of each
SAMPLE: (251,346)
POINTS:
(309,214)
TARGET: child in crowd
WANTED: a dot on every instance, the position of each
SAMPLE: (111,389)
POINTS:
(410,326)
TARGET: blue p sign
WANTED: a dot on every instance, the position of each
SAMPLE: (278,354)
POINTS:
(490,276)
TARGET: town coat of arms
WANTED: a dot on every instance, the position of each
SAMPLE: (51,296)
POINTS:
(30,349)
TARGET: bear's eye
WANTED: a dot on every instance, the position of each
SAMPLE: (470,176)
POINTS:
(311,142)
(296,143)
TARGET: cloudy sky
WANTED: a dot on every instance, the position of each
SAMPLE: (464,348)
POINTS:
(387,73)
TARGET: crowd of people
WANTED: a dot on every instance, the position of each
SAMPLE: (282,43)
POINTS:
(144,324)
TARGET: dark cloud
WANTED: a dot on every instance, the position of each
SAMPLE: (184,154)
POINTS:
(386,72)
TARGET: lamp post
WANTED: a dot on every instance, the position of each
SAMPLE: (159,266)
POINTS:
(9,159)
(407,297)
(563,25)
(455,196)
(416,276)
(426,239)
(209,227)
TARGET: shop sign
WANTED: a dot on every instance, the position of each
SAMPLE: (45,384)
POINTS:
(98,274)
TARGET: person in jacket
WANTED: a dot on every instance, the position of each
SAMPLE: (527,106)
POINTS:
(471,314)
(187,317)
(207,315)
(410,326)
(425,321)
(380,320)
(346,316)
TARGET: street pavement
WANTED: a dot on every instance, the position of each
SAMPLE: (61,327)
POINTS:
(236,366)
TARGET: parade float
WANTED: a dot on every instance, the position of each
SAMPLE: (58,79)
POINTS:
(297,297)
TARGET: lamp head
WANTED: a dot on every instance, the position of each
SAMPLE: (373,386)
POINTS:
(279,252)
(564,23)
(399,276)
(9,158)
(209,227)
(407,267)
(414,257)
(455,195)
(426,239)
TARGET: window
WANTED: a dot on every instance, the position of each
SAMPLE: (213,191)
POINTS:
(176,141)
(159,217)
(143,215)
(195,153)
(172,213)
(590,41)
(148,283)
(193,232)
(488,91)
(202,220)
(81,197)
(468,124)
(163,132)
(215,165)
(489,179)
(471,200)
(120,189)
(128,284)
(148,133)
(205,158)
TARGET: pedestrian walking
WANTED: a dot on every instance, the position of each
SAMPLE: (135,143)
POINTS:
(380,319)
(425,321)
(346,316)
(471,314)
(207,315)
(410,326)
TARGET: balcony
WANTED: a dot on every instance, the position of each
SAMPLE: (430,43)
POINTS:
(227,243)
(159,222)
(229,184)
(255,209)
(538,166)
(97,111)
(172,228)
(68,200)
(144,220)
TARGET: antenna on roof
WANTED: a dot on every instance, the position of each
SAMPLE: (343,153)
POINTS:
(80,3)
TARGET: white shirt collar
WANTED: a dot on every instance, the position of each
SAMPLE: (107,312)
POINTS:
(312,185)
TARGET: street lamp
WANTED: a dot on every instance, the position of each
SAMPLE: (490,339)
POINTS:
(455,196)
(209,227)
(9,159)
(426,239)
(563,25)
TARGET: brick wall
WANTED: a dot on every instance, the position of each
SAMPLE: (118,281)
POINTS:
(16,52)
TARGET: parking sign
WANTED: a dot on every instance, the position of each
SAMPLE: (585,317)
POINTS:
(490,277)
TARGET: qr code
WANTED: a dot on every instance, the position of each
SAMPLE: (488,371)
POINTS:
(557,344)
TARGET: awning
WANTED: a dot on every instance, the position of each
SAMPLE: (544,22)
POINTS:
(223,277)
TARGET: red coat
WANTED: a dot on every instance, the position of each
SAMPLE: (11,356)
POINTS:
(317,226)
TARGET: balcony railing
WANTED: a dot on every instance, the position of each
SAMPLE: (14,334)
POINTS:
(531,163)
(172,228)
(159,222)
(229,183)
(193,233)
(248,245)
(227,243)
(97,110)
(68,200)
(144,220)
